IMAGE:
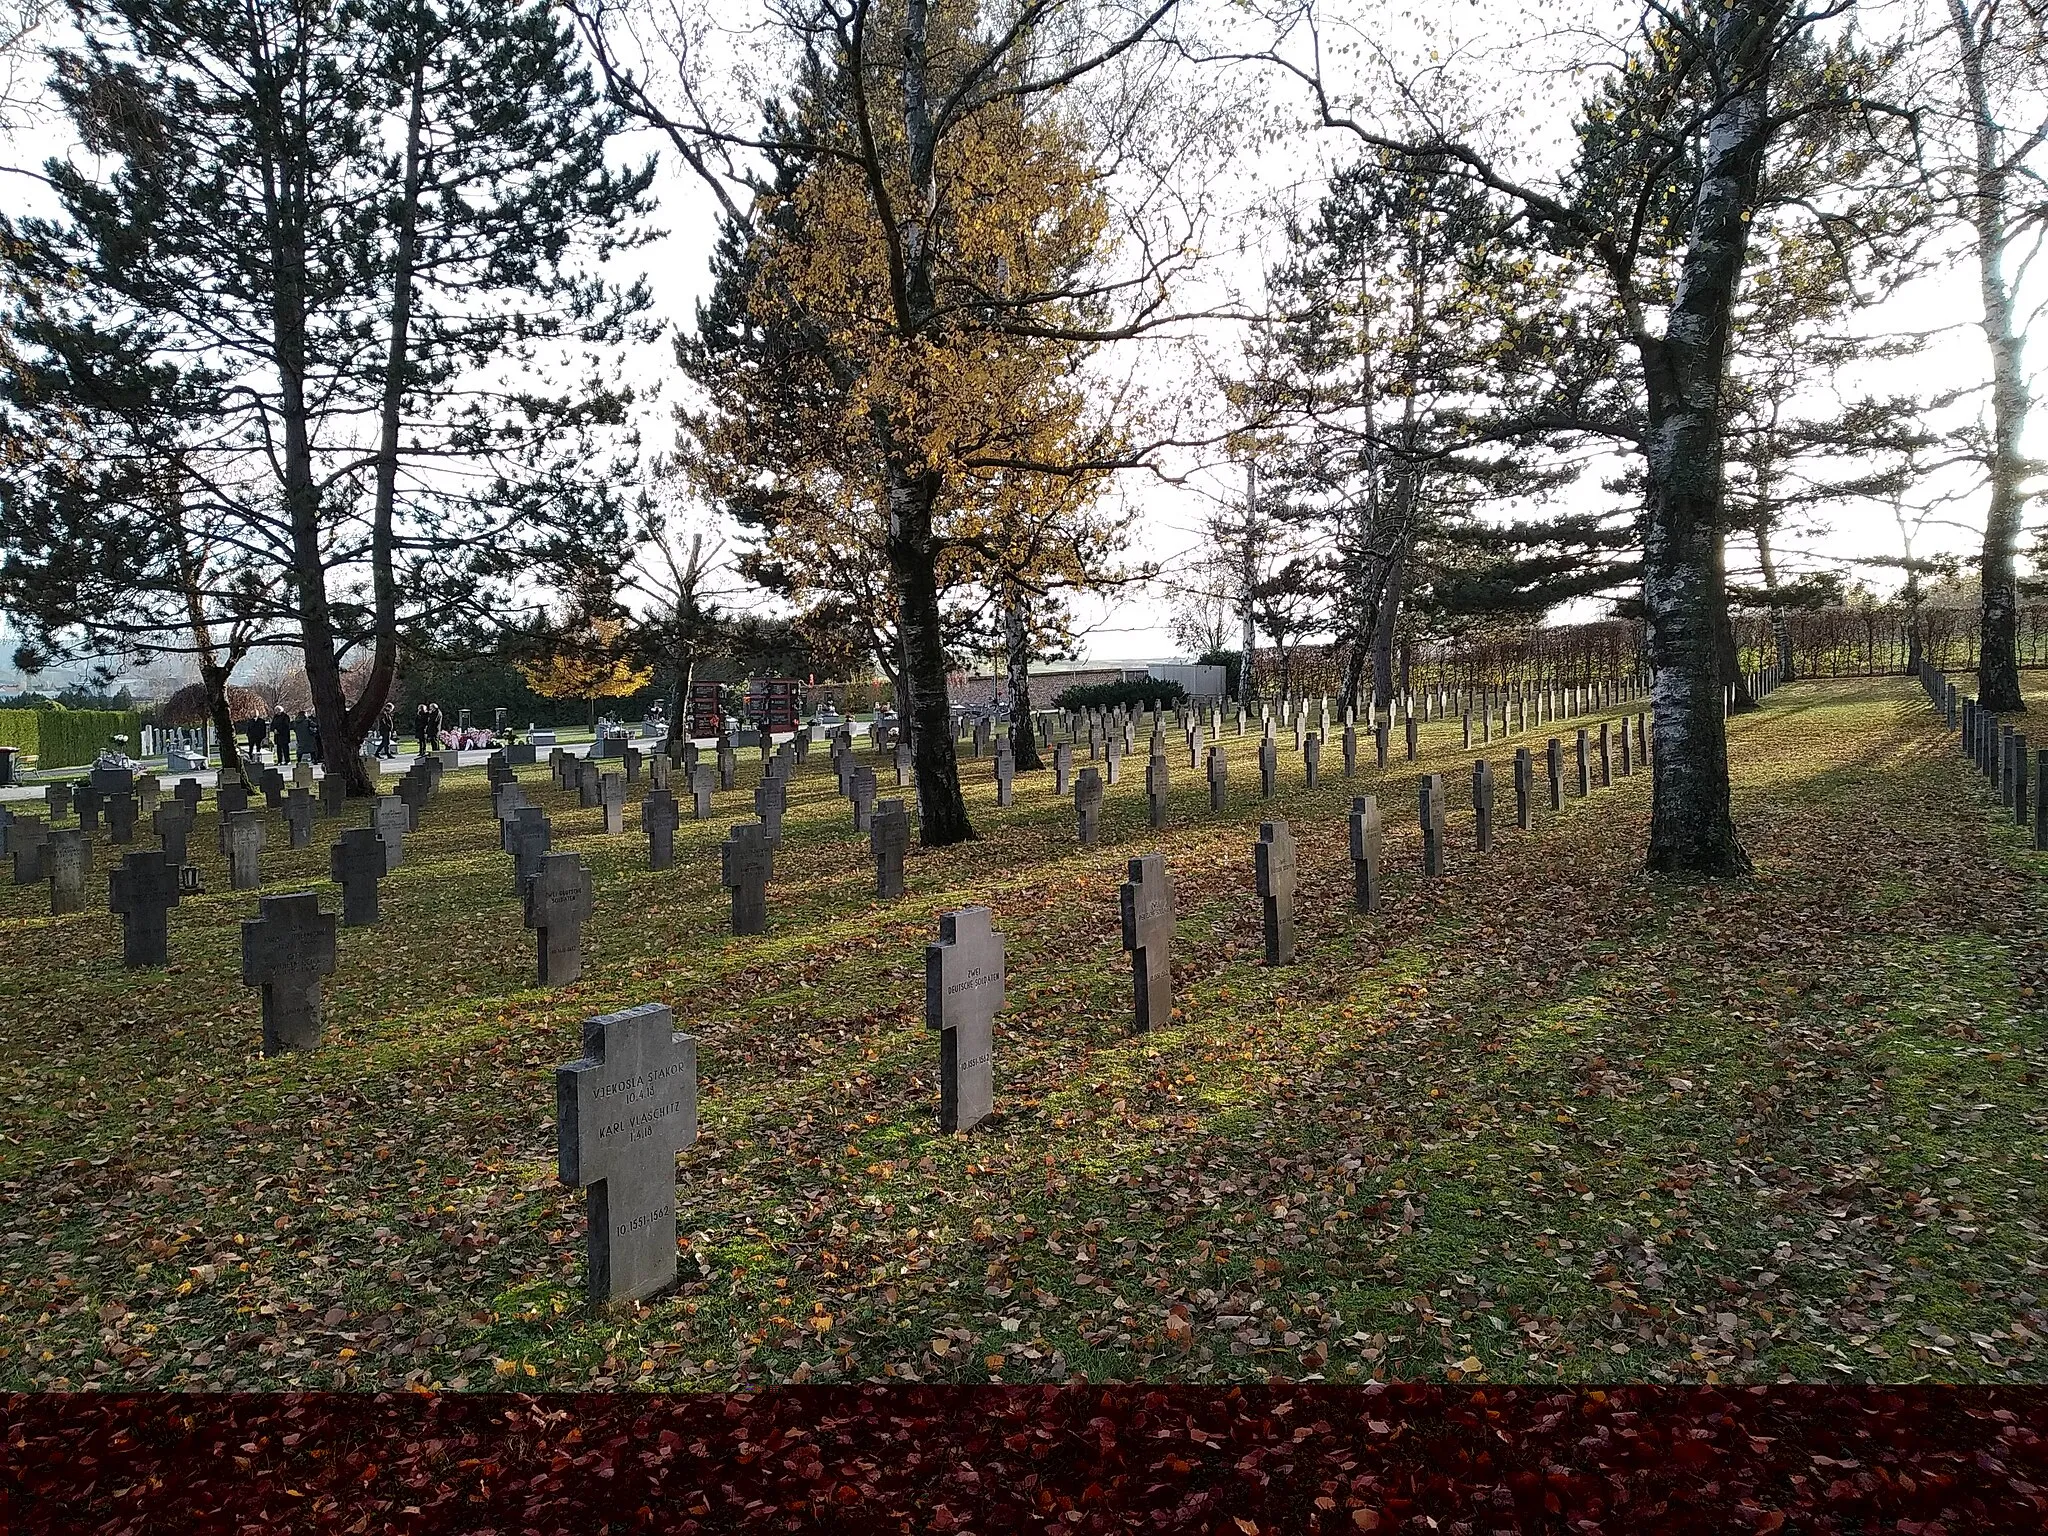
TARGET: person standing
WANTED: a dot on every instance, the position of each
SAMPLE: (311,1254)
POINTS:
(387,723)
(255,730)
(434,727)
(281,735)
(419,726)
(304,726)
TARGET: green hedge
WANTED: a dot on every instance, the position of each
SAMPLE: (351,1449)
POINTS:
(67,738)
(1148,692)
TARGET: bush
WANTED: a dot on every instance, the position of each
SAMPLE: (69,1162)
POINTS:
(1146,692)
(66,738)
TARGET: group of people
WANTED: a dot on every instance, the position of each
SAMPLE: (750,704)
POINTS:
(280,733)
(297,737)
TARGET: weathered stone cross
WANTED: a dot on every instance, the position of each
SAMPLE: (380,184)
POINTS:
(659,816)
(1147,901)
(889,841)
(1365,852)
(1274,858)
(143,891)
(356,864)
(963,990)
(558,903)
(286,949)
(746,865)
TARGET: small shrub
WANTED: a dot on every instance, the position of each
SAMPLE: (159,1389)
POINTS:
(1146,692)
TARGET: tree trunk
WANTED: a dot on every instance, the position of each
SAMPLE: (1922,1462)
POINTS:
(1017,654)
(214,678)
(1692,830)
(1247,581)
(1387,624)
(1998,665)
(927,712)
(1781,629)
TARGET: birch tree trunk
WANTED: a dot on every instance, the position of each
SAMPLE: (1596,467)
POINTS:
(1017,658)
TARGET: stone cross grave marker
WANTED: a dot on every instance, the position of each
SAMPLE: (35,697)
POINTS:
(527,839)
(1194,746)
(1643,739)
(1413,728)
(770,799)
(587,775)
(860,791)
(29,842)
(286,949)
(659,770)
(1156,788)
(388,819)
(1269,767)
(1112,760)
(1585,762)
(1525,788)
(1606,756)
(333,795)
(1350,750)
(558,903)
(86,801)
(842,765)
(1219,778)
(58,798)
(1147,900)
(633,759)
(1300,732)
(963,991)
(1553,765)
(121,811)
(1062,767)
(746,865)
(703,780)
(1431,804)
(298,818)
(68,857)
(232,798)
(273,785)
(1006,772)
(1468,731)
(889,841)
(507,800)
(1312,759)
(1628,753)
(1365,852)
(1379,742)
(143,890)
(611,799)
(1482,804)
(356,864)
(659,816)
(1273,857)
(303,775)
(622,1112)
(173,825)
(413,790)
(243,834)
(1088,805)
(2019,776)
(906,764)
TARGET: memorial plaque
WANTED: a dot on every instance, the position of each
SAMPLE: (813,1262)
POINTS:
(1147,901)
(622,1112)
(1274,862)
(558,903)
(142,891)
(287,948)
(1365,852)
(746,865)
(963,991)
(356,864)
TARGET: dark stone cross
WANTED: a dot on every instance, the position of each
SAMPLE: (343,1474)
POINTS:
(1269,767)
(334,795)
(1147,900)
(1088,805)
(860,790)
(659,816)
(633,760)
(1350,750)
(587,775)
(1273,857)
(611,799)
(746,865)
(889,841)
(1525,787)
(232,797)
(558,903)
(1365,852)
(68,857)
(703,780)
(388,819)
(1628,752)
(770,800)
(963,991)
(413,791)
(1062,767)
(1482,804)
(299,812)
(86,801)
(1468,730)
(273,785)
(1553,764)
(622,1112)
(1606,757)
(527,839)
(173,825)
(58,798)
(1413,727)
(1312,759)
(1379,742)
(1431,804)
(1156,788)
(356,864)
(286,949)
(507,800)
(243,835)
(1112,760)
(121,816)
(143,891)
(1585,762)
(906,764)
(1219,778)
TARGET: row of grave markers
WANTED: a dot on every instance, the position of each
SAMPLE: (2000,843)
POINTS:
(1997,749)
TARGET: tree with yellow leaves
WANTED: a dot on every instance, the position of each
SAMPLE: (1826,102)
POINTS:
(588,665)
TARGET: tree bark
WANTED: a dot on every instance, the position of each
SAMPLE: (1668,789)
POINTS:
(1998,666)
(927,712)
(1692,829)
(1781,629)
(1017,655)
(1387,625)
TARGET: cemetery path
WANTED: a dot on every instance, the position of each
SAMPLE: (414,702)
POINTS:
(1542,1119)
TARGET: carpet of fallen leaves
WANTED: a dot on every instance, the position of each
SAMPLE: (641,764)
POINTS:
(1543,1121)
(1237,1462)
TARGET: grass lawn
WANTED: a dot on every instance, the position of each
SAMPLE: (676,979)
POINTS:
(1542,1119)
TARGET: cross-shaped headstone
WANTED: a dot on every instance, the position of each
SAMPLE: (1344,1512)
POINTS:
(906,764)
(413,792)
(611,799)
(1062,768)
(1274,863)
(1525,788)
(622,1112)
(1482,804)
(334,795)
(273,785)
(703,780)
(356,864)
(527,839)
(1468,730)
(303,776)
(173,825)
(230,797)
(1553,765)
(1585,763)
(58,798)
(1300,732)
(746,865)
(68,857)
(1219,778)
(558,903)
(1606,756)
(149,794)
(1006,772)
(587,775)
(1112,760)
(659,816)
(299,812)
(85,800)
(143,891)
(1431,804)
(1379,741)
(507,800)
(1350,750)
(1365,852)
(1643,739)
(1413,728)
(1312,759)
(1628,753)
(963,991)
(633,760)
(889,841)
(242,834)
(120,807)
(728,766)
(770,801)
(1147,900)
(1156,788)
(1088,805)
(388,819)
(286,949)
(860,790)
(659,769)
(1269,768)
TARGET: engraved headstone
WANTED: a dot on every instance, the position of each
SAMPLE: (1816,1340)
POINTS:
(243,836)
(1147,901)
(299,812)
(1365,852)
(142,891)
(1219,778)
(659,816)
(611,799)
(356,864)
(963,991)
(746,865)
(1431,804)
(1156,789)
(622,1112)
(1274,861)
(68,858)
(558,903)
(889,841)
(1088,805)
(389,820)
(286,949)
